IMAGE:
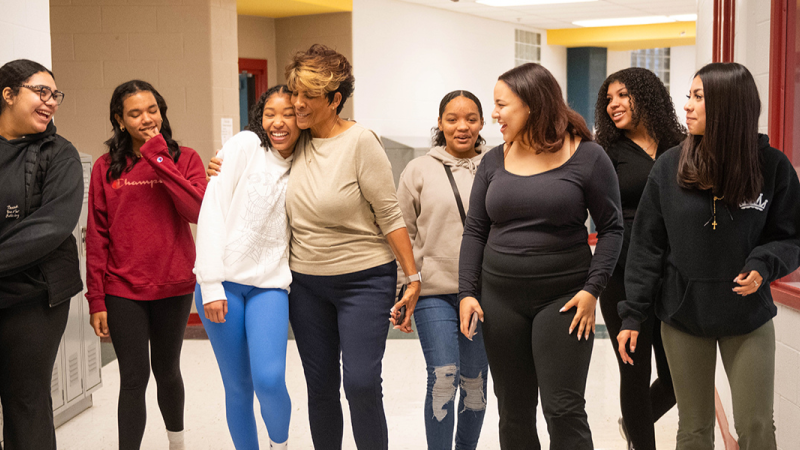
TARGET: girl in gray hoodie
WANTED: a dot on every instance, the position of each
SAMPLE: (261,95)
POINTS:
(433,193)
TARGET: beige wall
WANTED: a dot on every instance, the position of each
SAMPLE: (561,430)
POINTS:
(186,49)
(25,31)
(293,34)
(276,40)
(257,41)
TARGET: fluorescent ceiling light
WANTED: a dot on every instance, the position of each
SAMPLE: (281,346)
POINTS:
(528,2)
(623,21)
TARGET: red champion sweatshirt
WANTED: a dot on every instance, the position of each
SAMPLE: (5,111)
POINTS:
(138,242)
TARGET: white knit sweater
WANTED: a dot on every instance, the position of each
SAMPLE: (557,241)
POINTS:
(243,233)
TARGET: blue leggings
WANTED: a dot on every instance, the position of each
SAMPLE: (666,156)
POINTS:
(250,347)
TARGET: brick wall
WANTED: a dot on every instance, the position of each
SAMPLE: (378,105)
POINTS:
(185,48)
(25,31)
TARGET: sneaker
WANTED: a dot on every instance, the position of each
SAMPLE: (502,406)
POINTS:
(624,433)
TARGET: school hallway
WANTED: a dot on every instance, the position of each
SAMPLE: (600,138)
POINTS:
(404,392)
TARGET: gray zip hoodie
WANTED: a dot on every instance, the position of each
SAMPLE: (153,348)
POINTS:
(432,218)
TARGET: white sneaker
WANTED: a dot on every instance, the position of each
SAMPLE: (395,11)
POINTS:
(276,446)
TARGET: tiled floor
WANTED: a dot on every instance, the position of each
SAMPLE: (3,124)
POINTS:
(404,386)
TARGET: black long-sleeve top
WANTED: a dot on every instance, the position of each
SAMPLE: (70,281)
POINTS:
(674,238)
(632,165)
(545,212)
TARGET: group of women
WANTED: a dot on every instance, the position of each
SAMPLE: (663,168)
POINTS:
(302,224)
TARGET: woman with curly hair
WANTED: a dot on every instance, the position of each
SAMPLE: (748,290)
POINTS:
(636,123)
(243,283)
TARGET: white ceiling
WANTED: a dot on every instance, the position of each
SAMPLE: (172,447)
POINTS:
(562,16)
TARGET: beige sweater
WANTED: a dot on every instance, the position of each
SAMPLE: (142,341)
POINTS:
(432,218)
(341,203)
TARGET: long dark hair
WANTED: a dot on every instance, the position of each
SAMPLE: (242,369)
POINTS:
(550,117)
(438,138)
(15,73)
(120,145)
(255,118)
(650,104)
(725,158)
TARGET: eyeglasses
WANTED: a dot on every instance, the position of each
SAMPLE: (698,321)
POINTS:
(45,93)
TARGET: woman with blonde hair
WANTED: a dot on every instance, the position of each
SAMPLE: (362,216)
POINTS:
(347,230)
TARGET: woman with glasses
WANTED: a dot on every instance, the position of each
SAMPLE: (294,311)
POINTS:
(143,195)
(40,197)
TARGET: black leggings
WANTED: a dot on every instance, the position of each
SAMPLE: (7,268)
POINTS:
(30,334)
(529,349)
(642,404)
(132,323)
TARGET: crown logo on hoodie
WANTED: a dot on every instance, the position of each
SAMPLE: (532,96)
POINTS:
(759,204)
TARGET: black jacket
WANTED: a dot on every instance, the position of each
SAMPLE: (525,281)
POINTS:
(674,239)
(43,182)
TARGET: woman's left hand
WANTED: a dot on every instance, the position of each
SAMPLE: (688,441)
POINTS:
(748,283)
(586,304)
(409,300)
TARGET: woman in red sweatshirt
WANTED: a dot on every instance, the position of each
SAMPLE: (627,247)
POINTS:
(144,194)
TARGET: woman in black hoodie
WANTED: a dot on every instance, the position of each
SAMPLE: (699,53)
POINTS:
(717,222)
(41,195)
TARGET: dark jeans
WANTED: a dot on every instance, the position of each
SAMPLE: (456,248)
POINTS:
(142,331)
(641,403)
(452,362)
(30,334)
(529,349)
(348,315)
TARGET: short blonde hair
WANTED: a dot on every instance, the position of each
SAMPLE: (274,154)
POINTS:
(321,71)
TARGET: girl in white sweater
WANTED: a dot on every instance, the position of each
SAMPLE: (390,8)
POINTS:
(243,284)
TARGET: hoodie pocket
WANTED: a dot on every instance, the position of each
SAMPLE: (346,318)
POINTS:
(710,308)
(441,274)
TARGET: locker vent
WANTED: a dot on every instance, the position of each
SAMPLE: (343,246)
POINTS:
(74,370)
(91,356)
(54,384)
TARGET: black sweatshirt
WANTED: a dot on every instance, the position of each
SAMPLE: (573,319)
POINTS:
(633,165)
(38,254)
(545,212)
(674,239)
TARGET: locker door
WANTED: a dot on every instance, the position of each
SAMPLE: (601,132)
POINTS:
(57,379)
(73,372)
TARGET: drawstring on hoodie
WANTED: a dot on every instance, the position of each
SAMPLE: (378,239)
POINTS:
(466,163)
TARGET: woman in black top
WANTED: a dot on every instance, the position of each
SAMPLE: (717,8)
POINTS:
(717,222)
(636,123)
(525,239)
(40,197)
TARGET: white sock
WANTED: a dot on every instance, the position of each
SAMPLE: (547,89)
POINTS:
(276,446)
(175,440)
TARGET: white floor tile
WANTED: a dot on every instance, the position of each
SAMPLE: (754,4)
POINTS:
(404,391)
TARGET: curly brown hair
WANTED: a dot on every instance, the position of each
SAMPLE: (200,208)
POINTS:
(321,71)
(651,105)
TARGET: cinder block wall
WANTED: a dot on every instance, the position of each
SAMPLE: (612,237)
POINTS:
(185,48)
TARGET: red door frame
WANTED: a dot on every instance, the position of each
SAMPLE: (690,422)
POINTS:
(782,61)
(724,30)
(257,67)
(781,65)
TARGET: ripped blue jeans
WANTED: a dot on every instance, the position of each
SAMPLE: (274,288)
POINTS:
(454,365)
